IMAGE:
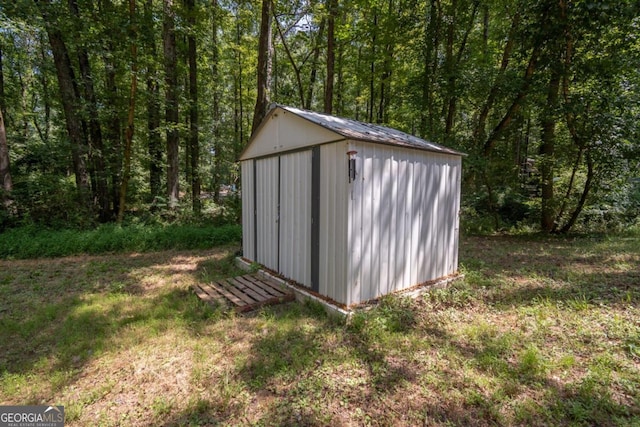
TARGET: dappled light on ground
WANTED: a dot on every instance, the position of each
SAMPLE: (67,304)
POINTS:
(540,332)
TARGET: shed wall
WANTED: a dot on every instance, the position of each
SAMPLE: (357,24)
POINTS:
(403,219)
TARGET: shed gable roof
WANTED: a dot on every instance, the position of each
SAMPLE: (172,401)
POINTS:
(346,128)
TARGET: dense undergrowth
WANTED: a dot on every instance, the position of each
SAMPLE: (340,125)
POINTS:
(37,242)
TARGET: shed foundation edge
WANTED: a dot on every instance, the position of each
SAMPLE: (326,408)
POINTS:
(332,309)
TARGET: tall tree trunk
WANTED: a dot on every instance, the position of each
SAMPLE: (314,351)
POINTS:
(571,125)
(154,148)
(577,136)
(238,116)
(128,136)
(171,103)
(387,62)
(46,103)
(331,57)
(194,144)
(547,149)
(296,69)
(385,85)
(215,105)
(372,69)
(96,148)
(3,101)
(44,81)
(187,139)
(583,197)
(431,43)
(485,33)
(479,132)
(113,107)
(314,65)
(448,106)
(113,128)
(455,62)
(6,185)
(155,141)
(339,94)
(25,81)
(567,195)
(515,105)
(264,66)
(522,92)
(554,55)
(70,99)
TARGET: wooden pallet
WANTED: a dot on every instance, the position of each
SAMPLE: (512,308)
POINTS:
(244,293)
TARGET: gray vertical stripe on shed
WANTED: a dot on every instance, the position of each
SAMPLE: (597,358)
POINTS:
(315,218)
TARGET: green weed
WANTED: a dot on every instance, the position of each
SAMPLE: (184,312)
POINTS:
(215,269)
(391,315)
(531,364)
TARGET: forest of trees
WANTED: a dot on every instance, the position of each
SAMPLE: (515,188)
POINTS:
(113,109)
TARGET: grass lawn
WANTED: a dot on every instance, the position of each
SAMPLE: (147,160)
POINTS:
(542,331)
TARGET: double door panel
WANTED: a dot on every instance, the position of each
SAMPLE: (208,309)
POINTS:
(284,214)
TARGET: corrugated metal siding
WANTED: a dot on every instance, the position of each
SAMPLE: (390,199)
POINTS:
(267,211)
(403,219)
(248,226)
(455,212)
(334,190)
(295,216)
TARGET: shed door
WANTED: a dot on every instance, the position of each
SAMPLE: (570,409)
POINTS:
(286,215)
(295,217)
(266,187)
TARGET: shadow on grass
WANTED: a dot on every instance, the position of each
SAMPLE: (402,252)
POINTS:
(610,289)
(522,380)
(497,376)
(287,360)
(290,349)
(294,376)
(565,271)
(81,308)
(284,369)
(288,345)
(279,362)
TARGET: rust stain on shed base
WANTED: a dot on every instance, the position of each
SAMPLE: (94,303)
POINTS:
(244,293)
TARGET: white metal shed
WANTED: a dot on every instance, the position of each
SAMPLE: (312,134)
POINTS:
(350,210)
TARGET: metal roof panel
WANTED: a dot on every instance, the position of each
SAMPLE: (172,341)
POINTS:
(368,132)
